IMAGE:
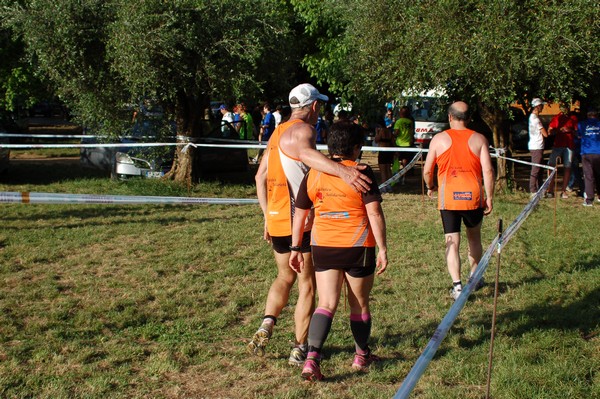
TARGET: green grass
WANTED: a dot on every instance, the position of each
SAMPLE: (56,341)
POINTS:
(160,301)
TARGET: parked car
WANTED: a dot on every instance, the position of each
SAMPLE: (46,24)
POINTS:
(154,162)
(134,161)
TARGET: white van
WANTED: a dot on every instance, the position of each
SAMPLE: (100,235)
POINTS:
(429,111)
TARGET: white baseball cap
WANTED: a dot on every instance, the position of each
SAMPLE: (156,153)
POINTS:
(305,94)
(536,101)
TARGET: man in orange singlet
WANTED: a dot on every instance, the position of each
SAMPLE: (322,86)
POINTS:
(464,172)
(290,152)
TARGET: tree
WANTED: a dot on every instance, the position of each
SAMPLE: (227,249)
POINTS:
(488,53)
(102,55)
(20,88)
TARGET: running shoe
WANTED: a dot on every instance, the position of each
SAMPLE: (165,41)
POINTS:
(260,339)
(311,370)
(456,291)
(549,195)
(564,195)
(479,285)
(586,203)
(297,356)
(569,189)
(362,362)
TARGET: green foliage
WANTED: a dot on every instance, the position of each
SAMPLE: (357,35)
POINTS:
(490,51)
(102,55)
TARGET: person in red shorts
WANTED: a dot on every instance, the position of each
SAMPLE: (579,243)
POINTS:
(346,228)
(464,171)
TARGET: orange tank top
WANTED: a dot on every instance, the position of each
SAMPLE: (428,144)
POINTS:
(340,215)
(284,175)
(460,178)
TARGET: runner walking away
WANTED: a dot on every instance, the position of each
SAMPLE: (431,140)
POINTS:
(464,171)
(289,154)
(347,226)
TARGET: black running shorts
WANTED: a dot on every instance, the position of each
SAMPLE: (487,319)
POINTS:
(452,219)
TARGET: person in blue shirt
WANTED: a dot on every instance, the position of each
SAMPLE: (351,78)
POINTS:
(321,128)
(589,131)
(267,126)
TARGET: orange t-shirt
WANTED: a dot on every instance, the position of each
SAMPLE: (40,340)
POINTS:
(460,178)
(284,175)
(341,218)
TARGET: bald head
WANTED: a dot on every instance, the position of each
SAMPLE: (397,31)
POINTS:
(459,111)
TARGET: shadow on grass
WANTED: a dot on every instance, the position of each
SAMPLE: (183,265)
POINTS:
(48,171)
(123,214)
(581,315)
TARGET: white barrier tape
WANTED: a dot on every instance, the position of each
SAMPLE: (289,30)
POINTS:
(66,136)
(523,162)
(394,179)
(53,198)
(46,136)
(440,333)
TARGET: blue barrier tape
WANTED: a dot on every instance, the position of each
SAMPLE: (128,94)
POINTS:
(53,198)
(440,333)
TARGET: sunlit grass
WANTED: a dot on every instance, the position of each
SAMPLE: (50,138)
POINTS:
(159,301)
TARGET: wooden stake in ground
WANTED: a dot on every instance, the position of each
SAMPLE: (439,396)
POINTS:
(491,355)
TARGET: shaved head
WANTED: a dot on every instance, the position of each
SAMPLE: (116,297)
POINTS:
(459,111)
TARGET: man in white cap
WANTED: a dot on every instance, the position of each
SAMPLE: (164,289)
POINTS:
(290,152)
(537,133)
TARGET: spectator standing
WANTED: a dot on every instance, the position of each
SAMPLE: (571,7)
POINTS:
(267,127)
(404,132)
(464,172)
(384,139)
(277,115)
(389,120)
(589,131)
(227,127)
(321,129)
(563,128)
(537,134)
(237,120)
(343,249)
(289,154)
(247,129)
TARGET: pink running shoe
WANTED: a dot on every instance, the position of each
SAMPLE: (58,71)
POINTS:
(311,370)
(362,362)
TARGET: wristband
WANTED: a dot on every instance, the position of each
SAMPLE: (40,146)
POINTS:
(296,248)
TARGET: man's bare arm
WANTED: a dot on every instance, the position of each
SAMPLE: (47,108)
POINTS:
(316,160)
(488,176)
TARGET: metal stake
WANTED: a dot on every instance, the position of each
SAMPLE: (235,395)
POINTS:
(491,355)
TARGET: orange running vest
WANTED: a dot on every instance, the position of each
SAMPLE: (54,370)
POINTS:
(460,178)
(341,219)
(284,175)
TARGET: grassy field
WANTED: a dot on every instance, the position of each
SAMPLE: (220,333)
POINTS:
(141,301)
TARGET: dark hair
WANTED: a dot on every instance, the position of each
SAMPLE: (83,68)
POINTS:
(459,115)
(267,106)
(405,112)
(592,113)
(343,137)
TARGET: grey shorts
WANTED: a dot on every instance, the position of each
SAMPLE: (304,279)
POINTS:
(565,153)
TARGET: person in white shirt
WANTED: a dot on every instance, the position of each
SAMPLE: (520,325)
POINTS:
(277,115)
(227,127)
(537,133)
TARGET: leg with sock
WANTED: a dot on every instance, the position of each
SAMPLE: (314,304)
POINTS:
(320,325)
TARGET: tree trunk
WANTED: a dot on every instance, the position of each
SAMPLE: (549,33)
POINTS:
(494,118)
(191,116)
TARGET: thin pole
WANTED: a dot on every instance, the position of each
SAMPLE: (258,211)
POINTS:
(423,193)
(491,355)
